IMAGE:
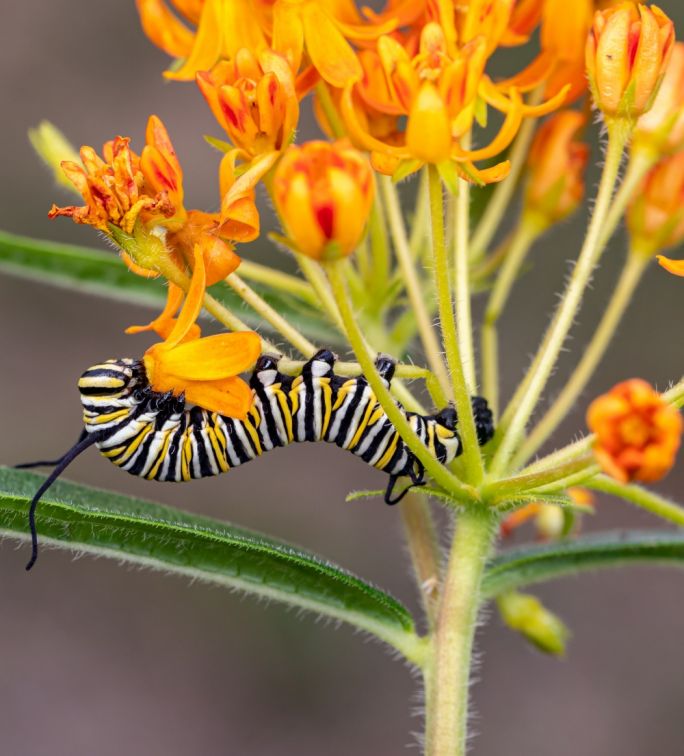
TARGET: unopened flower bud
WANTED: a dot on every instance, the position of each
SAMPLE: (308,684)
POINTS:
(655,217)
(323,193)
(627,52)
(526,614)
(661,129)
(556,165)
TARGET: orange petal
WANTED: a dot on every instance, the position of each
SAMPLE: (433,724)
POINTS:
(329,51)
(164,29)
(213,357)
(231,396)
(673,266)
(193,301)
(174,299)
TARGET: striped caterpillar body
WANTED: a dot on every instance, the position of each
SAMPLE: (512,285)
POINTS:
(155,436)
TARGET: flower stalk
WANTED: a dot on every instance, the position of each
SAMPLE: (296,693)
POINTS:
(527,395)
(471,450)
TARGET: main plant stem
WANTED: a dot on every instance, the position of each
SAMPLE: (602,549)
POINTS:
(471,450)
(448,674)
(528,393)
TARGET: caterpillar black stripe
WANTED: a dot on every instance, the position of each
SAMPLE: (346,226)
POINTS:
(155,436)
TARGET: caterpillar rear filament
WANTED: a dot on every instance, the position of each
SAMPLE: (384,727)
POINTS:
(155,436)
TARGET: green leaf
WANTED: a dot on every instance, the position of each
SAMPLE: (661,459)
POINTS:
(536,564)
(98,522)
(104,274)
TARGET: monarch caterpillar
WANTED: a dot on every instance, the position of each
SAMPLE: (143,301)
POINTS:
(155,436)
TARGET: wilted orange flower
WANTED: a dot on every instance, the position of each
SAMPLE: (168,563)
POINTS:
(437,90)
(637,432)
(122,187)
(627,51)
(253,98)
(655,217)
(205,370)
(661,129)
(323,193)
(556,165)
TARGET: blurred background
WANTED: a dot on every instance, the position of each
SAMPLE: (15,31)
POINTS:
(97,658)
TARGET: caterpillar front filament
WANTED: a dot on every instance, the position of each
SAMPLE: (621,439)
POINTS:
(155,436)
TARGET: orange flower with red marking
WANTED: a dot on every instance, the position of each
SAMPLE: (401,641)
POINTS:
(628,50)
(556,165)
(637,432)
(253,98)
(437,90)
(205,370)
(323,193)
(121,187)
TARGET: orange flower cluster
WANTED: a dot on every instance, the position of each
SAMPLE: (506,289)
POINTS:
(637,432)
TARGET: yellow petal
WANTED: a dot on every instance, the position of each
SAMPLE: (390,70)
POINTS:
(673,266)
(211,358)
(231,397)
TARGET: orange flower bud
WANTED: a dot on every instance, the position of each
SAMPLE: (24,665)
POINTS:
(556,166)
(323,193)
(661,129)
(254,100)
(637,432)
(627,53)
(655,218)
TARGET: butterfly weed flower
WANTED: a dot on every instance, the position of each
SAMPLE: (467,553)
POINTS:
(627,53)
(205,370)
(637,432)
(655,217)
(555,168)
(660,130)
(254,100)
(323,193)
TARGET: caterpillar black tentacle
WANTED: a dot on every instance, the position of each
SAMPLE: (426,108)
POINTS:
(155,436)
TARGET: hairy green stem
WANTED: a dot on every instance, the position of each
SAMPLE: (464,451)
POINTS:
(591,357)
(464,316)
(414,288)
(524,236)
(447,676)
(501,199)
(439,473)
(471,451)
(640,497)
(276,279)
(423,545)
(525,399)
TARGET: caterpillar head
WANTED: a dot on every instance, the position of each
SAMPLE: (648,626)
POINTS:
(111,380)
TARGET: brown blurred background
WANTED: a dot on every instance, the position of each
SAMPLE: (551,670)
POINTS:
(96,658)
